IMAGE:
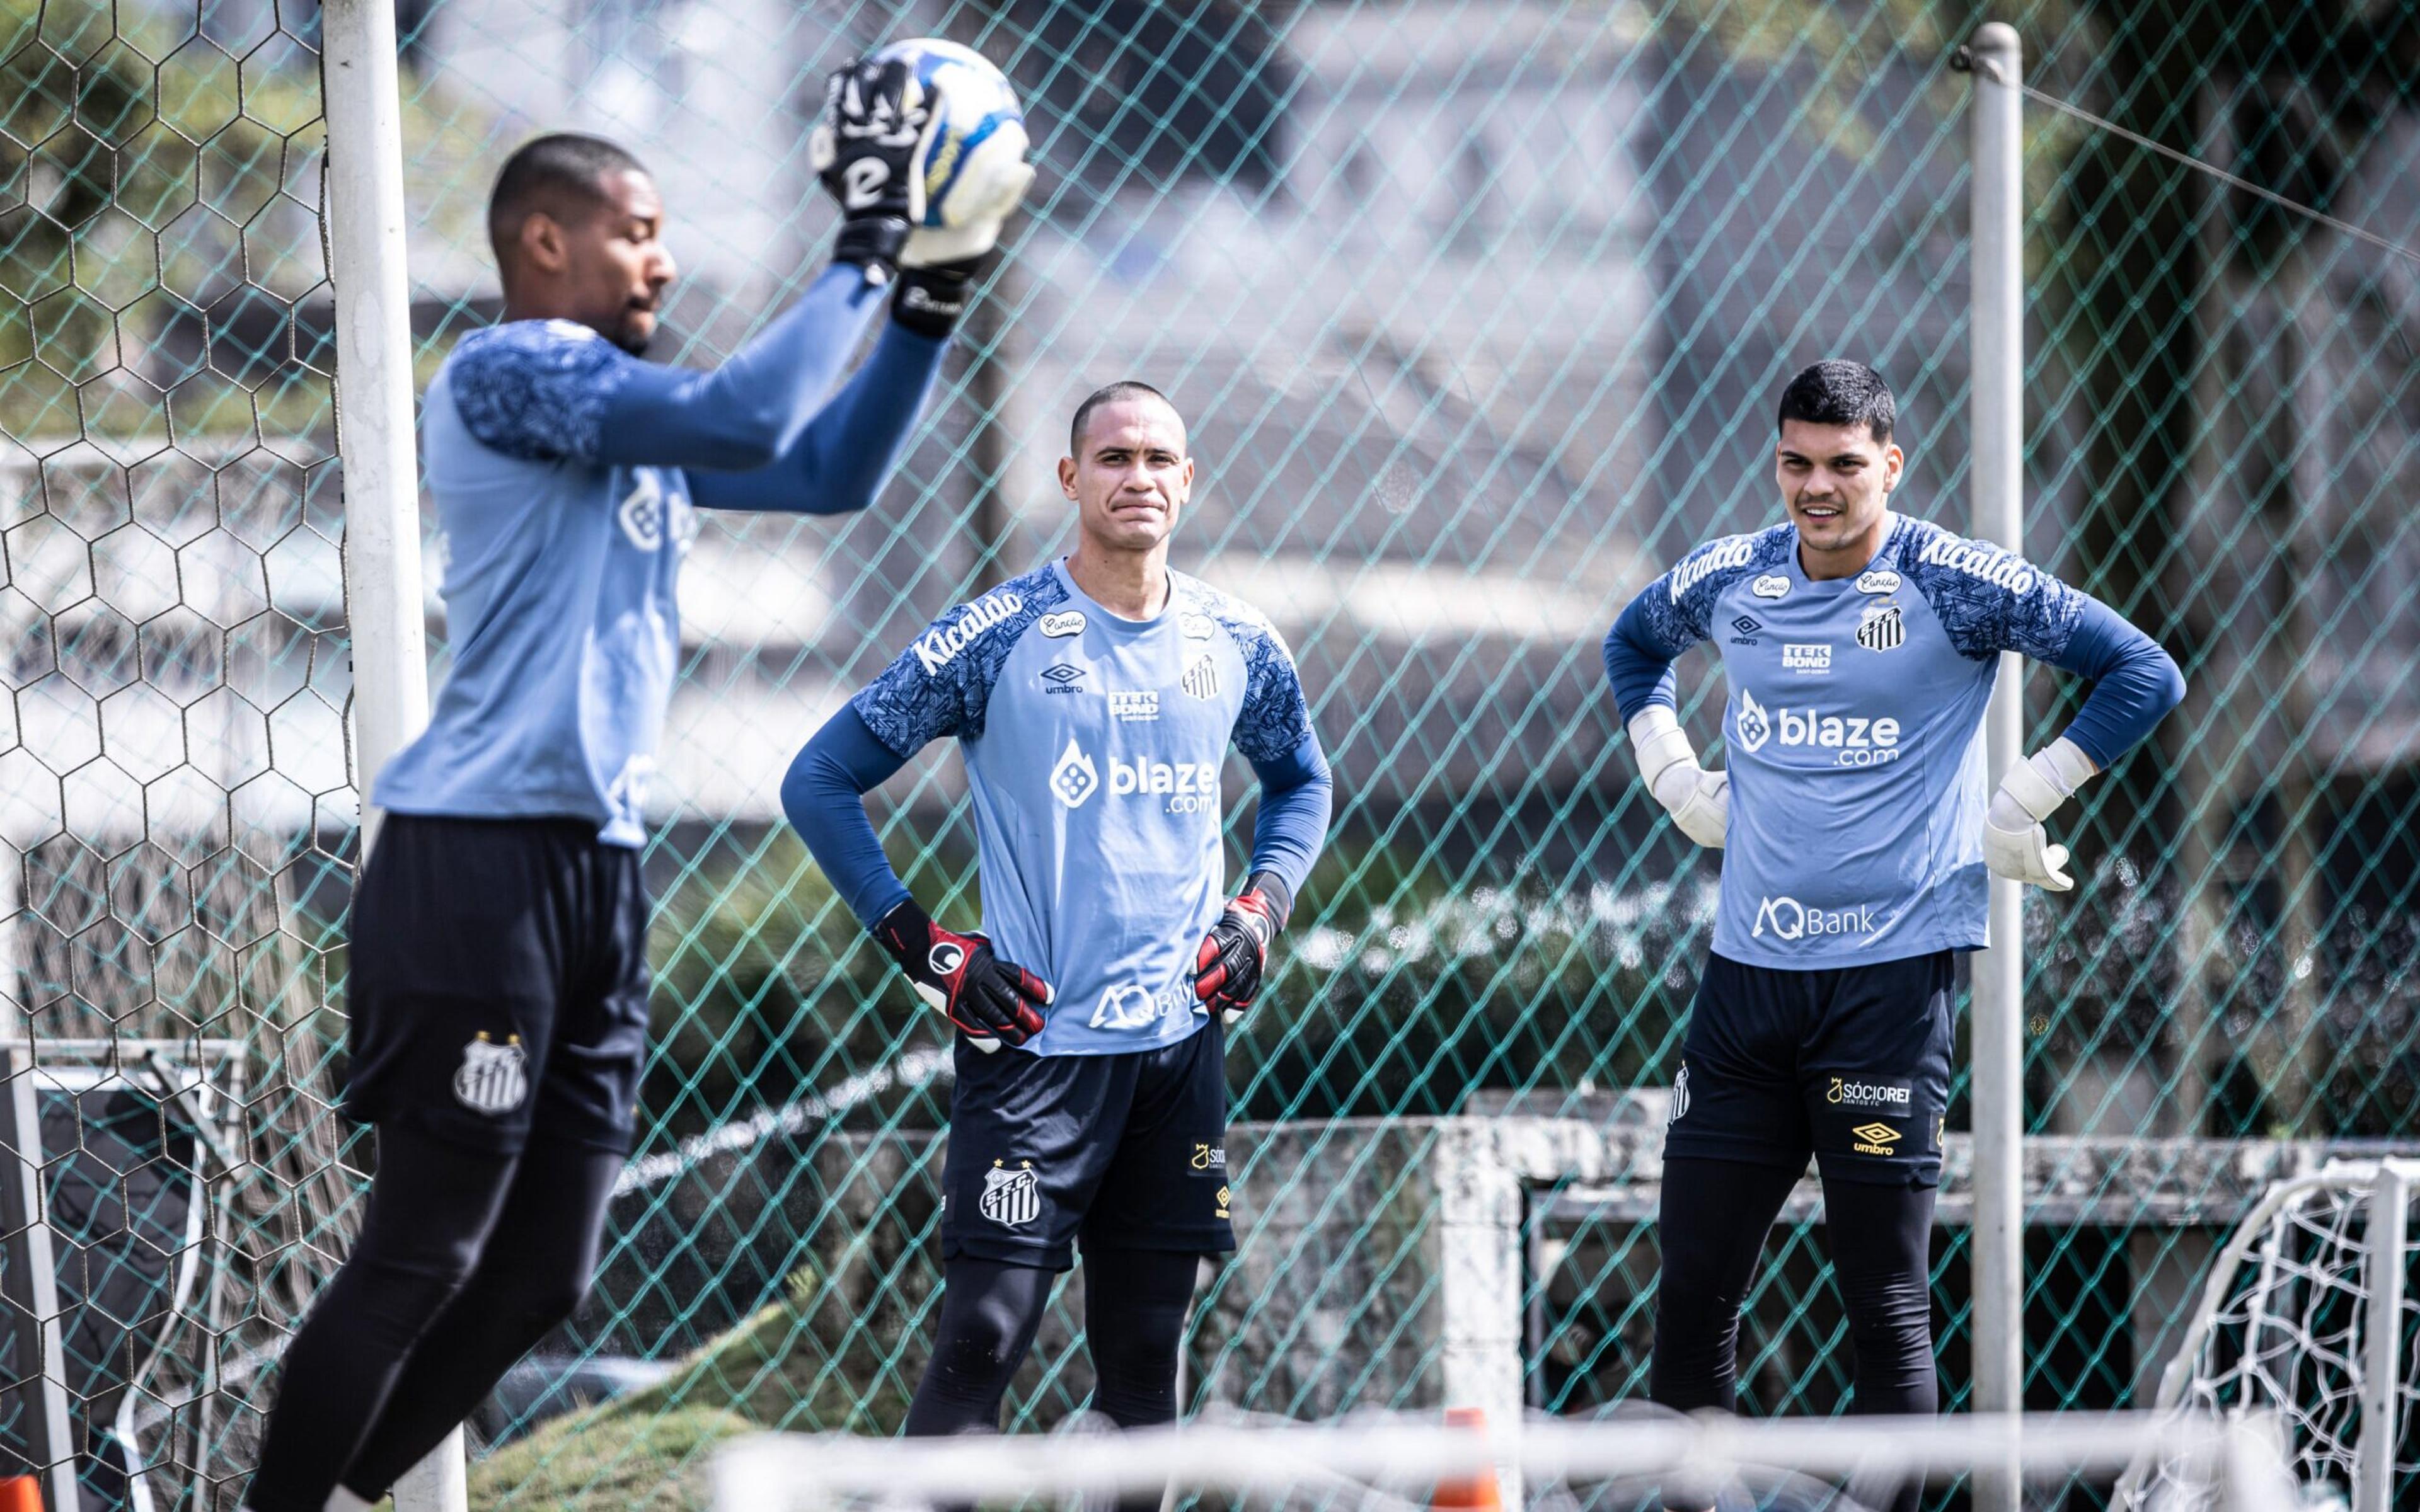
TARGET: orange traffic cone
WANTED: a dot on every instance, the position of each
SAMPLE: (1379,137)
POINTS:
(1469,1493)
(21,1493)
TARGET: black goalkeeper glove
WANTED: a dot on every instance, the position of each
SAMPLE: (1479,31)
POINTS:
(869,150)
(1228,967)
(993,1002)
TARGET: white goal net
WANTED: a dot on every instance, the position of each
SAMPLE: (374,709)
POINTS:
(2308,1318)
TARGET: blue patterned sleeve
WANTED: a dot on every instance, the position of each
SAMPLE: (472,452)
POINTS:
(1675,612)
(1989,600)
(941,684)
(537,390)
(1635,661)
(1274,718)
(1992,600)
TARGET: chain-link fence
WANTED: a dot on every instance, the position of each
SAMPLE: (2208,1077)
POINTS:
(1478,309)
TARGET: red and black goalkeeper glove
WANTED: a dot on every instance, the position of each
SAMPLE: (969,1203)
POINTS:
(993,1002)
(1227,969)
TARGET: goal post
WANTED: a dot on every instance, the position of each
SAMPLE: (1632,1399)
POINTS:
(29,1281)
(365,220)
(2311,1287)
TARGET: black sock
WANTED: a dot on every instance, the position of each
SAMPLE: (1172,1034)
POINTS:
(1881,1239)
(1710,1228)
(1135,1303)
(990,1313)
(431,1207)
(532,1276)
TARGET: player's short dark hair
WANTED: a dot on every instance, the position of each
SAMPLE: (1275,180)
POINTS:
(1111,394)
(561,174)
(1838,392)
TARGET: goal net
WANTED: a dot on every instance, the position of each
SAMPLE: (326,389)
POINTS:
(2308,1318)
(1381,1464)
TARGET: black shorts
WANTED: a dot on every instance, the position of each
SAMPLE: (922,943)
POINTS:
(1129,1150)
(1851,1064)
(499,982)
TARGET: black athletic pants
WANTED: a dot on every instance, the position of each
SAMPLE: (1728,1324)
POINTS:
(1134,1320)
(1712,1225)
(466,1260)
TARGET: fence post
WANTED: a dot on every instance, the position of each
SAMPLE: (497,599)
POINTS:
(365,221)
(1997,480)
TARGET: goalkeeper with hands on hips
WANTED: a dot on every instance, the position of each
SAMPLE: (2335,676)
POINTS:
(498,982)
(1092,700)
(1860,646)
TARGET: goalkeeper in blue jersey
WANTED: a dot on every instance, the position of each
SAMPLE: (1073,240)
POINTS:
(1093,701)
(1860,647)
(499,973)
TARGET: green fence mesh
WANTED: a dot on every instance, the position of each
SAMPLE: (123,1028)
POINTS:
(1478,308)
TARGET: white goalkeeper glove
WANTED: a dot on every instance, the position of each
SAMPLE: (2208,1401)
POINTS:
(973,203)
(1698,801)
(2015,845)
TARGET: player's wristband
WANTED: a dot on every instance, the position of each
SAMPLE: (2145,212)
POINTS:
(1279,896)
(873,242)
(930,300)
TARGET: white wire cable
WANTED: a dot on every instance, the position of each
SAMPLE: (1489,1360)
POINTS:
(1965,60)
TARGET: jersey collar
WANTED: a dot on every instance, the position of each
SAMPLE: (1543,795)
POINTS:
(1109,620)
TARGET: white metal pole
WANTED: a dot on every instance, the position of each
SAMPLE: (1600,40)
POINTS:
(366,221)
(441,1483)
(41,1358)
(1997,1243)
(2373,1475)
(365,244)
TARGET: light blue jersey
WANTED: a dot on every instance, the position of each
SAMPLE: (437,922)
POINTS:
(560,577)
(1093,746)
(567,474)
(1853,731)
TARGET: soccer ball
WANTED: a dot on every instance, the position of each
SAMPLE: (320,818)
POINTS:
(975,171)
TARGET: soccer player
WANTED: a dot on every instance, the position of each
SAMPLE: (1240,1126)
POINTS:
(498,989)
(1093,700)
(1860,646)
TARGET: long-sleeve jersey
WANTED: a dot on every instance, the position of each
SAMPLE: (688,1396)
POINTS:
(1092,746)
(1853,732)
(565,473)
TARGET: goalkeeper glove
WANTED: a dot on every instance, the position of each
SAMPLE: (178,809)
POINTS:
(1228,967)
(1698,801)
(993,1002)
(2015,845)
(978,198)
(870,150)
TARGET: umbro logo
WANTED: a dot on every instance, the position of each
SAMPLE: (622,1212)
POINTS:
(1874,1138)
(1063,677)
(1746,628)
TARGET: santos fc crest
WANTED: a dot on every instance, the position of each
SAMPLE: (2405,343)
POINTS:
(1011,1198)
(494,1077)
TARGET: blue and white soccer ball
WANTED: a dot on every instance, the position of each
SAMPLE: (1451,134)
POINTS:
(975,170)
